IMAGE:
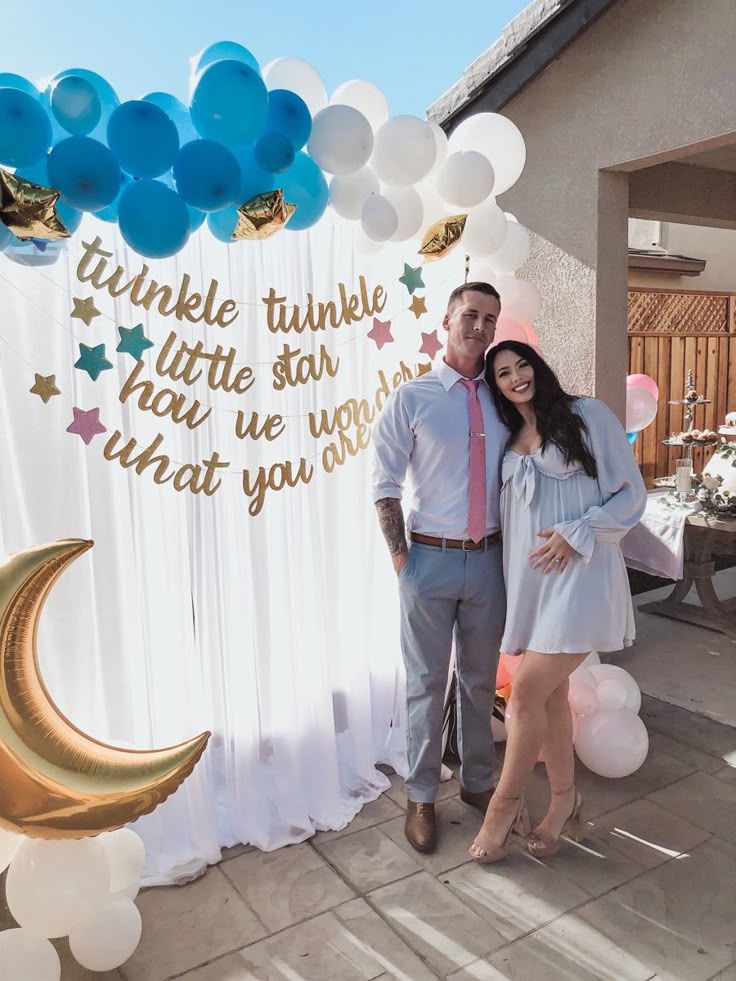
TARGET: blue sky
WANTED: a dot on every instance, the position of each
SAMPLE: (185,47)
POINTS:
(413,50)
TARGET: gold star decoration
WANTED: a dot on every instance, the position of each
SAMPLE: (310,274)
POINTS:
(263,216)
(45,387)
(85,309)
(418,306)
(422,369)
(29,210)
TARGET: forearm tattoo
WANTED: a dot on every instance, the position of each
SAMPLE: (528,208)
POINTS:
(391,520)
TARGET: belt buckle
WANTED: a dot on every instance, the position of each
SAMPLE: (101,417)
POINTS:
(469,541)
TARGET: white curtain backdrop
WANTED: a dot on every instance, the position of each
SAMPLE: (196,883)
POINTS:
(278,632)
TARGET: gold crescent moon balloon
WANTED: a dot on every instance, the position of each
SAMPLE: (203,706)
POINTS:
(57,782)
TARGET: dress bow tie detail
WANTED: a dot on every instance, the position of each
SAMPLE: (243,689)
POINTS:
(525,479)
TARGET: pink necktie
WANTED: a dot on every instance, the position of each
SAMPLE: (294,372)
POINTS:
(477,504)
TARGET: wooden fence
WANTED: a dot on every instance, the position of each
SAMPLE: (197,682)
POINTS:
(672,332)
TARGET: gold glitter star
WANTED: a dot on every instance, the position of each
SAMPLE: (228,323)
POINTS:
(418,306)
(45,387)
(422,369)
(85,309)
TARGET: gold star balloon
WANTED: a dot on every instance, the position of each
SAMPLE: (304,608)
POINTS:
(263,216)
(443,236)
(29,210)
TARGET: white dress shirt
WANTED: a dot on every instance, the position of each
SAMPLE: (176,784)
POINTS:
(423,433)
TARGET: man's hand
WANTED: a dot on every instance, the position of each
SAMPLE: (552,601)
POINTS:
(399,561)
(554,555)
(391,520)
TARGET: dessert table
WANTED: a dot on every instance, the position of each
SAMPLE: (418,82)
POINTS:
(682,544)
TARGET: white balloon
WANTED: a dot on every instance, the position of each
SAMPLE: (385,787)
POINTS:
(582,676)
(482,272)
(612,672)
(378,219)
(515,250)
(404,151)
(52,886)
(441,143)
(341,141)
(364,96)
(612,742)
(485,231)
(126,855)
(433,205)
(109,938)
(519,298)
(300,77)
(409,210)
(497,138)
(465,179)
(641,408)
(348,194)
(9,845)
(611,694)
(583,700)
(592,658)
(27,957)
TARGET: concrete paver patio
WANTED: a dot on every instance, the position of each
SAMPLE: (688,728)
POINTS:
(650,894)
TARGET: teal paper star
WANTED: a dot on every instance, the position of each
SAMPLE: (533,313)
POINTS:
(92,360)
(133,341)
(412,278)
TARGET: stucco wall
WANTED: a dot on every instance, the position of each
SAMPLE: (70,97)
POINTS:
(648,77)
(716,245)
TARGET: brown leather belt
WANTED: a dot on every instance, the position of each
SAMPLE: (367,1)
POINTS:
(467,545)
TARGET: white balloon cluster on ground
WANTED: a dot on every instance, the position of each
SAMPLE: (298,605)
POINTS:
(81,889)
(610,738)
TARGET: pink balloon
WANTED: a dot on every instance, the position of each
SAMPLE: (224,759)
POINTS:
(531,335)
(509,330)
(643,381)
(511,663)
(583,700)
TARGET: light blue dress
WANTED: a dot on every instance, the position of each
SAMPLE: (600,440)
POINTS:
(587,606)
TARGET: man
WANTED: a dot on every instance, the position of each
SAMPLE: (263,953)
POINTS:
(442,430)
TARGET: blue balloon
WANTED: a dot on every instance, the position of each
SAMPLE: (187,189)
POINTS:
(177,113)
(230,103)
(70,216)
(105,93)
(222,224)
(85,172)
(37,172)
(12,81)
(196,218)
(207,175)
(254,179)
(75,105)
(288,115)
(305,186)
(225,51)
(110,213)
(632,438)
(154,220)
(143,139)
(6,237)
(274,153)
(32,254)
(25,129)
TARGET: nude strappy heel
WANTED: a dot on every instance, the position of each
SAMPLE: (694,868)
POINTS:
(541,846)
(520,823)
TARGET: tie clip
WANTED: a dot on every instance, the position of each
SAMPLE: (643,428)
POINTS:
(479,434)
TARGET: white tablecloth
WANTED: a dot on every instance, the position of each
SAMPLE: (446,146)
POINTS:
(657,544)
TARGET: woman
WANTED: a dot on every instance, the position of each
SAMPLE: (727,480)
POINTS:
(570,492)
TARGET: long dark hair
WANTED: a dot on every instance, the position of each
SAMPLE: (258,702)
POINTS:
(556,422)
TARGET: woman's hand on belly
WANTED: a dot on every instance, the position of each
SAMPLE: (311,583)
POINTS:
(554,554)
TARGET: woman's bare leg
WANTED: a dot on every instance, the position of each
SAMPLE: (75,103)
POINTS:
(538,676)
(559,760)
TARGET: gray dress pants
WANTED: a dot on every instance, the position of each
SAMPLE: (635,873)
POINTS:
(444,590)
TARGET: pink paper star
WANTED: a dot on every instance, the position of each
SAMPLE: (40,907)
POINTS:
(381,332)
(86,424)
(430,344)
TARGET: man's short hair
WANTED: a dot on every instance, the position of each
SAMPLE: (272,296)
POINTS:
(459,291)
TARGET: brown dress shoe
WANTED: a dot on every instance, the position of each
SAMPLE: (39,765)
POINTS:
(481,799)
(420,827)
